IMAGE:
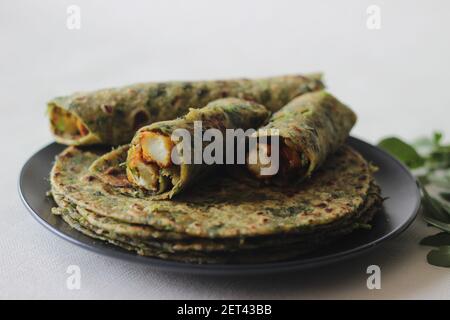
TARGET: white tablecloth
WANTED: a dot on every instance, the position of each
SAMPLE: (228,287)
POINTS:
(395,78)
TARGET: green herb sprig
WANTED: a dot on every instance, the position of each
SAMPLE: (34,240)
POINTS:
(429,161)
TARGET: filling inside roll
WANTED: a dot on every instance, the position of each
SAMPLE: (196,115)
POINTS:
(66,124)
(69,128)
(291,162)
(149,162)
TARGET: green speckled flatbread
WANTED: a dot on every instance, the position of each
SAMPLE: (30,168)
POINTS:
(112,116)
(225,208)
(276,252)
(173,242)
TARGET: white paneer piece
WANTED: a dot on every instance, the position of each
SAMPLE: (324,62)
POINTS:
(157,148)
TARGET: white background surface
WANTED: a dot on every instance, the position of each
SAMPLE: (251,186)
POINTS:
(395,78)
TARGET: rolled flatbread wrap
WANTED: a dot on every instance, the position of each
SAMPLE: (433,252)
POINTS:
(112,116)
(150,163)
(308,129)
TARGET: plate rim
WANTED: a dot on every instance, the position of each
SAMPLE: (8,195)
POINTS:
(231,269)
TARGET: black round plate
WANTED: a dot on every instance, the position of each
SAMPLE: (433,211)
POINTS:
(399,210)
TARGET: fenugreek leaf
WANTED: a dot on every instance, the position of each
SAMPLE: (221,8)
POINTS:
(434,208)
(438,224)
(436,240)
(402,151)
(440,257)
(437,138)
